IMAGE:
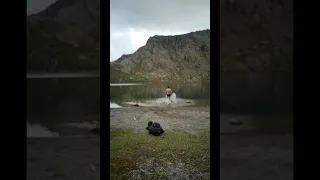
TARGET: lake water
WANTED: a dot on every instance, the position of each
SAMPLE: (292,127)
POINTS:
(153,94)
(64,106)
(61,106)
(256,92)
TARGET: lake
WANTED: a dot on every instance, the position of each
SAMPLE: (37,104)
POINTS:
(153,94)
(256,92)
(53,104)
(64,105)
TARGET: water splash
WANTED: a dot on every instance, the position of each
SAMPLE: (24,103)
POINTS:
(81,125)
(173,97)
(173,101)
(114,105)
(36,131)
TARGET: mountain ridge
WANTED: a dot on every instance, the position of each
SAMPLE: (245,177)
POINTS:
(164,58)
(64,37)
(256,37)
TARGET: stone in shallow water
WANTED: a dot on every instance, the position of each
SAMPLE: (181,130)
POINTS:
(95,131)
(235,122)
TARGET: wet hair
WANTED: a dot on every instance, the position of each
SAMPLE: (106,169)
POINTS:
(168,87)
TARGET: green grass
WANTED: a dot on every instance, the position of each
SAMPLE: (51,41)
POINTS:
(128,147)
(117,76)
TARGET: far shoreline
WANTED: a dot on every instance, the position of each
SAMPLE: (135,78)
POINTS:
(38,75)
(156,82)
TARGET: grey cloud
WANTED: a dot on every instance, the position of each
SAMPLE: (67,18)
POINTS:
(172,16)
(169,14)
(35,6)
(119,46)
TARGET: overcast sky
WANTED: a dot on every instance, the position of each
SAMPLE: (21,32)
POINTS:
(34,6)
(134,21)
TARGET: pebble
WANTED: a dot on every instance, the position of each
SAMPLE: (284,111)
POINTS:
(92,168)
(235,122)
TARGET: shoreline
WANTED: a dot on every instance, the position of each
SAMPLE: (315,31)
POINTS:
(159,82)
(61,75)
(248,151)
(183,151)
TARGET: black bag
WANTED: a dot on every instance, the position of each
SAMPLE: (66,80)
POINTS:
(155,129)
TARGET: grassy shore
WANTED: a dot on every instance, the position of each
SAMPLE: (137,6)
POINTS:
(261,148)
(182,152)
(171,156)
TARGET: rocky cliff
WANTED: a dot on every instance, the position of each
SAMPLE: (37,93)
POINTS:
(64,37)
(180,58)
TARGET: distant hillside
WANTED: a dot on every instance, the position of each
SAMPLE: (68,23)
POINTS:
(65,37)
(180,58)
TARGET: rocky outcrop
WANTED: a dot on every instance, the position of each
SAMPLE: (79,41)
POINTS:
(181,58)
(64,37)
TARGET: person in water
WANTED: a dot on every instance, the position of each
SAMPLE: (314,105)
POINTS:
(168,92)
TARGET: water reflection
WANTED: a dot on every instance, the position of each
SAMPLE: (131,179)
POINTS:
(256,92)
(51,102)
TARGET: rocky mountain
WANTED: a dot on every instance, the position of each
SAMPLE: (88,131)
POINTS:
(64,37)
(256,35)
(180,58)
(256,55)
